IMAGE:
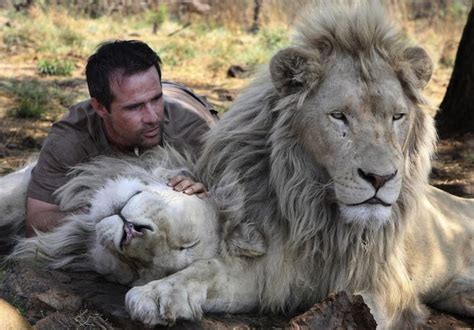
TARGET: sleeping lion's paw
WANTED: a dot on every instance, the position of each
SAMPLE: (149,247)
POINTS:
(165,301)
(143,306)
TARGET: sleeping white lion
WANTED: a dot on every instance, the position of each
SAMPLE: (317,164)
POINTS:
(134,229)
(131,227)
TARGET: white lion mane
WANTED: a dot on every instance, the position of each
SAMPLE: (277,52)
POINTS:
(311,251)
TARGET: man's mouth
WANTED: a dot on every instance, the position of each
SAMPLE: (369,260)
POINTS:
(372,201)
(152,132)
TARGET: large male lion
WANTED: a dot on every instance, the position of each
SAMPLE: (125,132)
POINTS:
(332,149)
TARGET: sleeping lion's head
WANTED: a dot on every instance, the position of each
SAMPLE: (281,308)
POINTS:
(136,228)
(148,231)
(359,112)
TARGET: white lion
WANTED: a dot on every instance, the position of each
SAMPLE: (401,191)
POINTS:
(332,149)
(131,227)
(135,228)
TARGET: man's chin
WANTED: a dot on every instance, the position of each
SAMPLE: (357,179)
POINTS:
(149,142)
(366,214)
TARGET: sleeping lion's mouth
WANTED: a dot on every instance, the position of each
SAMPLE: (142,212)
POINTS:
(372,201)
(130,231)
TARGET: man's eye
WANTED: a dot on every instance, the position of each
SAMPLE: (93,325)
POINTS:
(133,107)
(398,116)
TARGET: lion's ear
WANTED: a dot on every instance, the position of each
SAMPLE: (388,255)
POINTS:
(246,241)
(294,69)
(420,65)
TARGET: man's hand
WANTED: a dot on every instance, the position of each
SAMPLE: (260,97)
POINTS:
(188,186)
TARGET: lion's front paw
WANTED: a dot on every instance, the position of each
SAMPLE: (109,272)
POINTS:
(163,302)
(143,306)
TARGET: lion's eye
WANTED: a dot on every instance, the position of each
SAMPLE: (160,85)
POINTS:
(189,245)
(398,116)
(338,115)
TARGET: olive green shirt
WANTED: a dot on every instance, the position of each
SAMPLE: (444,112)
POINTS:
(79,137)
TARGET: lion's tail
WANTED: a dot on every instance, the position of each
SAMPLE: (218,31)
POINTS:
(13,188)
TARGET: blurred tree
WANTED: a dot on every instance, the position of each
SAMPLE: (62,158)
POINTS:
(19,5)
(456,114)
(256,16)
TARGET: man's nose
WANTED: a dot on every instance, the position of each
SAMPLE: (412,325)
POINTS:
(149,114)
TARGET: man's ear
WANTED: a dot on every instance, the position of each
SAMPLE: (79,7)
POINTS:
(99,108)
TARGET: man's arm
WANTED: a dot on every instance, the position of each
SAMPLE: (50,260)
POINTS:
(42,216)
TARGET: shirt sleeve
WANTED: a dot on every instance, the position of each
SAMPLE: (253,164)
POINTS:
(184,130)
(56,157)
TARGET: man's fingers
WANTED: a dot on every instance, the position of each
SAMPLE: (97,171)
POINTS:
(175,180)
(196,188)
(203,195)
(188,186)
(184,184)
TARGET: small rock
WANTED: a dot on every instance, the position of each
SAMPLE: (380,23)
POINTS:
(55,321)
(29,142)
(224,94)
(237,71)
(57,300)
(337,311)
(12,146)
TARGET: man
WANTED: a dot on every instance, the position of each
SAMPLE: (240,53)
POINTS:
(130,110)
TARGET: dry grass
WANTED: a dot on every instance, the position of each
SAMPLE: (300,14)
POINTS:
(197,55)
(201,53)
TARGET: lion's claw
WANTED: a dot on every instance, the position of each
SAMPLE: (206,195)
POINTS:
(161,302)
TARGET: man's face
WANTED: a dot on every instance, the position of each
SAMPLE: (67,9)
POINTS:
(136,113)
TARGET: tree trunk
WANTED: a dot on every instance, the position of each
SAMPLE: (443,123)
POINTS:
(456,114)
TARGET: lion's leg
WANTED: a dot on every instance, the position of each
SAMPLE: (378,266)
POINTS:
(390,315)
(204,286)
(459,298)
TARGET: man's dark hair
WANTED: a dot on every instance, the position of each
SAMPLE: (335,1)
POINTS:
(131,56)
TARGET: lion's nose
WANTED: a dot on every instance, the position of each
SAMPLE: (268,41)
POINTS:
(377,181)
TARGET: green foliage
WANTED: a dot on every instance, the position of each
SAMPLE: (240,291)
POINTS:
(175,52)
(458,10)
(469,157)
(447,62)
(55,67)
(17,38)
(32,99)
(273,38)
(267,42)
(159,16)
(71,38)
